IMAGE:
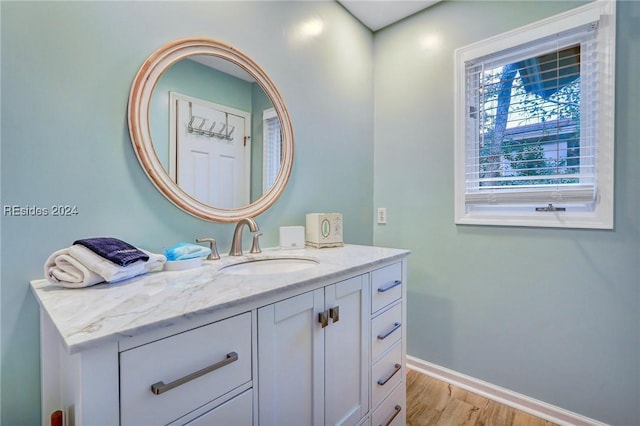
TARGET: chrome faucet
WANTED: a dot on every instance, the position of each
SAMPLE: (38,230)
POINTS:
(236,244)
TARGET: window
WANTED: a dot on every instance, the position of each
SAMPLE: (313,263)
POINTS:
(534,123)
(271,148)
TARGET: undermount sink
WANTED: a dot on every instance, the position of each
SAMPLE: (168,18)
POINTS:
(263,266)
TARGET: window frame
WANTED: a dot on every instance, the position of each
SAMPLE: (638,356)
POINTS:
(269,168)
(600,214)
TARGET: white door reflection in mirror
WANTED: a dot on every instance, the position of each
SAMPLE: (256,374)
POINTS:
(210,155)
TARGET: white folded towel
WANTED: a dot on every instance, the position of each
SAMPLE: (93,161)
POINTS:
(78,266)
(64,270)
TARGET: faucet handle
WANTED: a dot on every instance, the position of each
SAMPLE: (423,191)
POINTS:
(214,255)
(255,247)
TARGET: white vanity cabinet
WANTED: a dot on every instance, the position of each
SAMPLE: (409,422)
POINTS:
(313,354)
(321,346)
(174,377)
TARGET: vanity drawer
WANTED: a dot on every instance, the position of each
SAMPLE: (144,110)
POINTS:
(386,329)
(386,374)
(392,411)
(237,411)
(386,286)
(166,379)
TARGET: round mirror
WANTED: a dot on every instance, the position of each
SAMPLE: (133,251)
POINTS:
(211,130)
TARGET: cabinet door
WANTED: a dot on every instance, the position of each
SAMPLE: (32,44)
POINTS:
(291,362)
(346,352)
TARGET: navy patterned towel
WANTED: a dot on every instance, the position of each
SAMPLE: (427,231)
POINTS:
(113,249)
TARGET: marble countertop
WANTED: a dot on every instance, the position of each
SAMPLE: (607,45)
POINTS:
(90,316)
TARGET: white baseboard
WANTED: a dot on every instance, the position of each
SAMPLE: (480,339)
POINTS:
(504,396)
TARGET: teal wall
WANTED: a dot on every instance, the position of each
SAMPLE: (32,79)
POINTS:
(67,68)
(553,314)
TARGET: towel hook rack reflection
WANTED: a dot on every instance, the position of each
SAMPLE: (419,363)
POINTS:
(196,126)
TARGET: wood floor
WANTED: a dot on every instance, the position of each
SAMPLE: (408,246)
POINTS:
(432,402)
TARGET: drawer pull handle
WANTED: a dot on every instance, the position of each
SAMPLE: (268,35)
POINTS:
(396,411)
(396,326)
(389,286)
(334,313)
(383,382)
(160,387)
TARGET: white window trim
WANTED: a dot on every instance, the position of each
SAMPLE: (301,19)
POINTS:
(601,216)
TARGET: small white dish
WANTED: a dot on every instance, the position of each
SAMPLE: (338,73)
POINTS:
(181,265)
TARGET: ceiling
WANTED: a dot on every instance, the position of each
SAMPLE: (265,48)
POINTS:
(377,14)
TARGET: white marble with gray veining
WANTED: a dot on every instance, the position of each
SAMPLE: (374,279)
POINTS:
(90,316)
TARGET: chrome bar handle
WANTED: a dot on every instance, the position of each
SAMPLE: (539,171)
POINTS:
(334,313)
(161,387)
(323,318)
(383,382)
(396,411)
(389,286)
(396,326)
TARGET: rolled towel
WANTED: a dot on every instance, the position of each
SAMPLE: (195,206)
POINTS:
(77,267)
(64,270)
(118,251)
(112,272)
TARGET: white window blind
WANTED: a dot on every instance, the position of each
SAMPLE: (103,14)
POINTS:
(527,141)
(272,148)
(534,118)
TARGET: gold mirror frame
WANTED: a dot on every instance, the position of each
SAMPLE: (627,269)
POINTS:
(138,113)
